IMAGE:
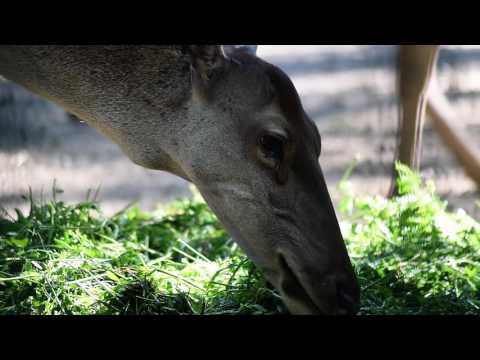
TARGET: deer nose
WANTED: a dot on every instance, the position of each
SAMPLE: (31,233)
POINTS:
(348,299)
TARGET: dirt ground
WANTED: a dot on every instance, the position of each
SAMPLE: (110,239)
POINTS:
(348,90)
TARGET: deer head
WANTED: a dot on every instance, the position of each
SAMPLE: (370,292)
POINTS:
(252,151)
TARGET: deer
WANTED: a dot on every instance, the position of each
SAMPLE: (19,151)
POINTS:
(420,96)
(227,121)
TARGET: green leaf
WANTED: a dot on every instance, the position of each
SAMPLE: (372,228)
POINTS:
(20,243)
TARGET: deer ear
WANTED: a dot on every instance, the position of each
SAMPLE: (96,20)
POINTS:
(228,50)
(205,59)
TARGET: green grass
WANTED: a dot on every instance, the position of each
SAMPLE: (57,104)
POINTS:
(412,255)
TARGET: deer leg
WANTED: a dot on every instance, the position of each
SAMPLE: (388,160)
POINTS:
(416,65)
(443,120)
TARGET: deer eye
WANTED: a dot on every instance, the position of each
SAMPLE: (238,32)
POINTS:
(272,147)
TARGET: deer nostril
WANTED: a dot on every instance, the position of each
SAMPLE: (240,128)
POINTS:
(346,304)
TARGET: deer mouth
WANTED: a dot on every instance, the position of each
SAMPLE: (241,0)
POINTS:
(316,295)
(297,296)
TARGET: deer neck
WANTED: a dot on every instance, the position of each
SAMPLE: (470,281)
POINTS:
(134,95)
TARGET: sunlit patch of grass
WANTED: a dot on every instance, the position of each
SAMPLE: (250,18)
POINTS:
(412,256)
(71,259)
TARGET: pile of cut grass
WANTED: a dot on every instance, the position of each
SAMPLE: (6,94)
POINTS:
(71,259)
(412,256)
